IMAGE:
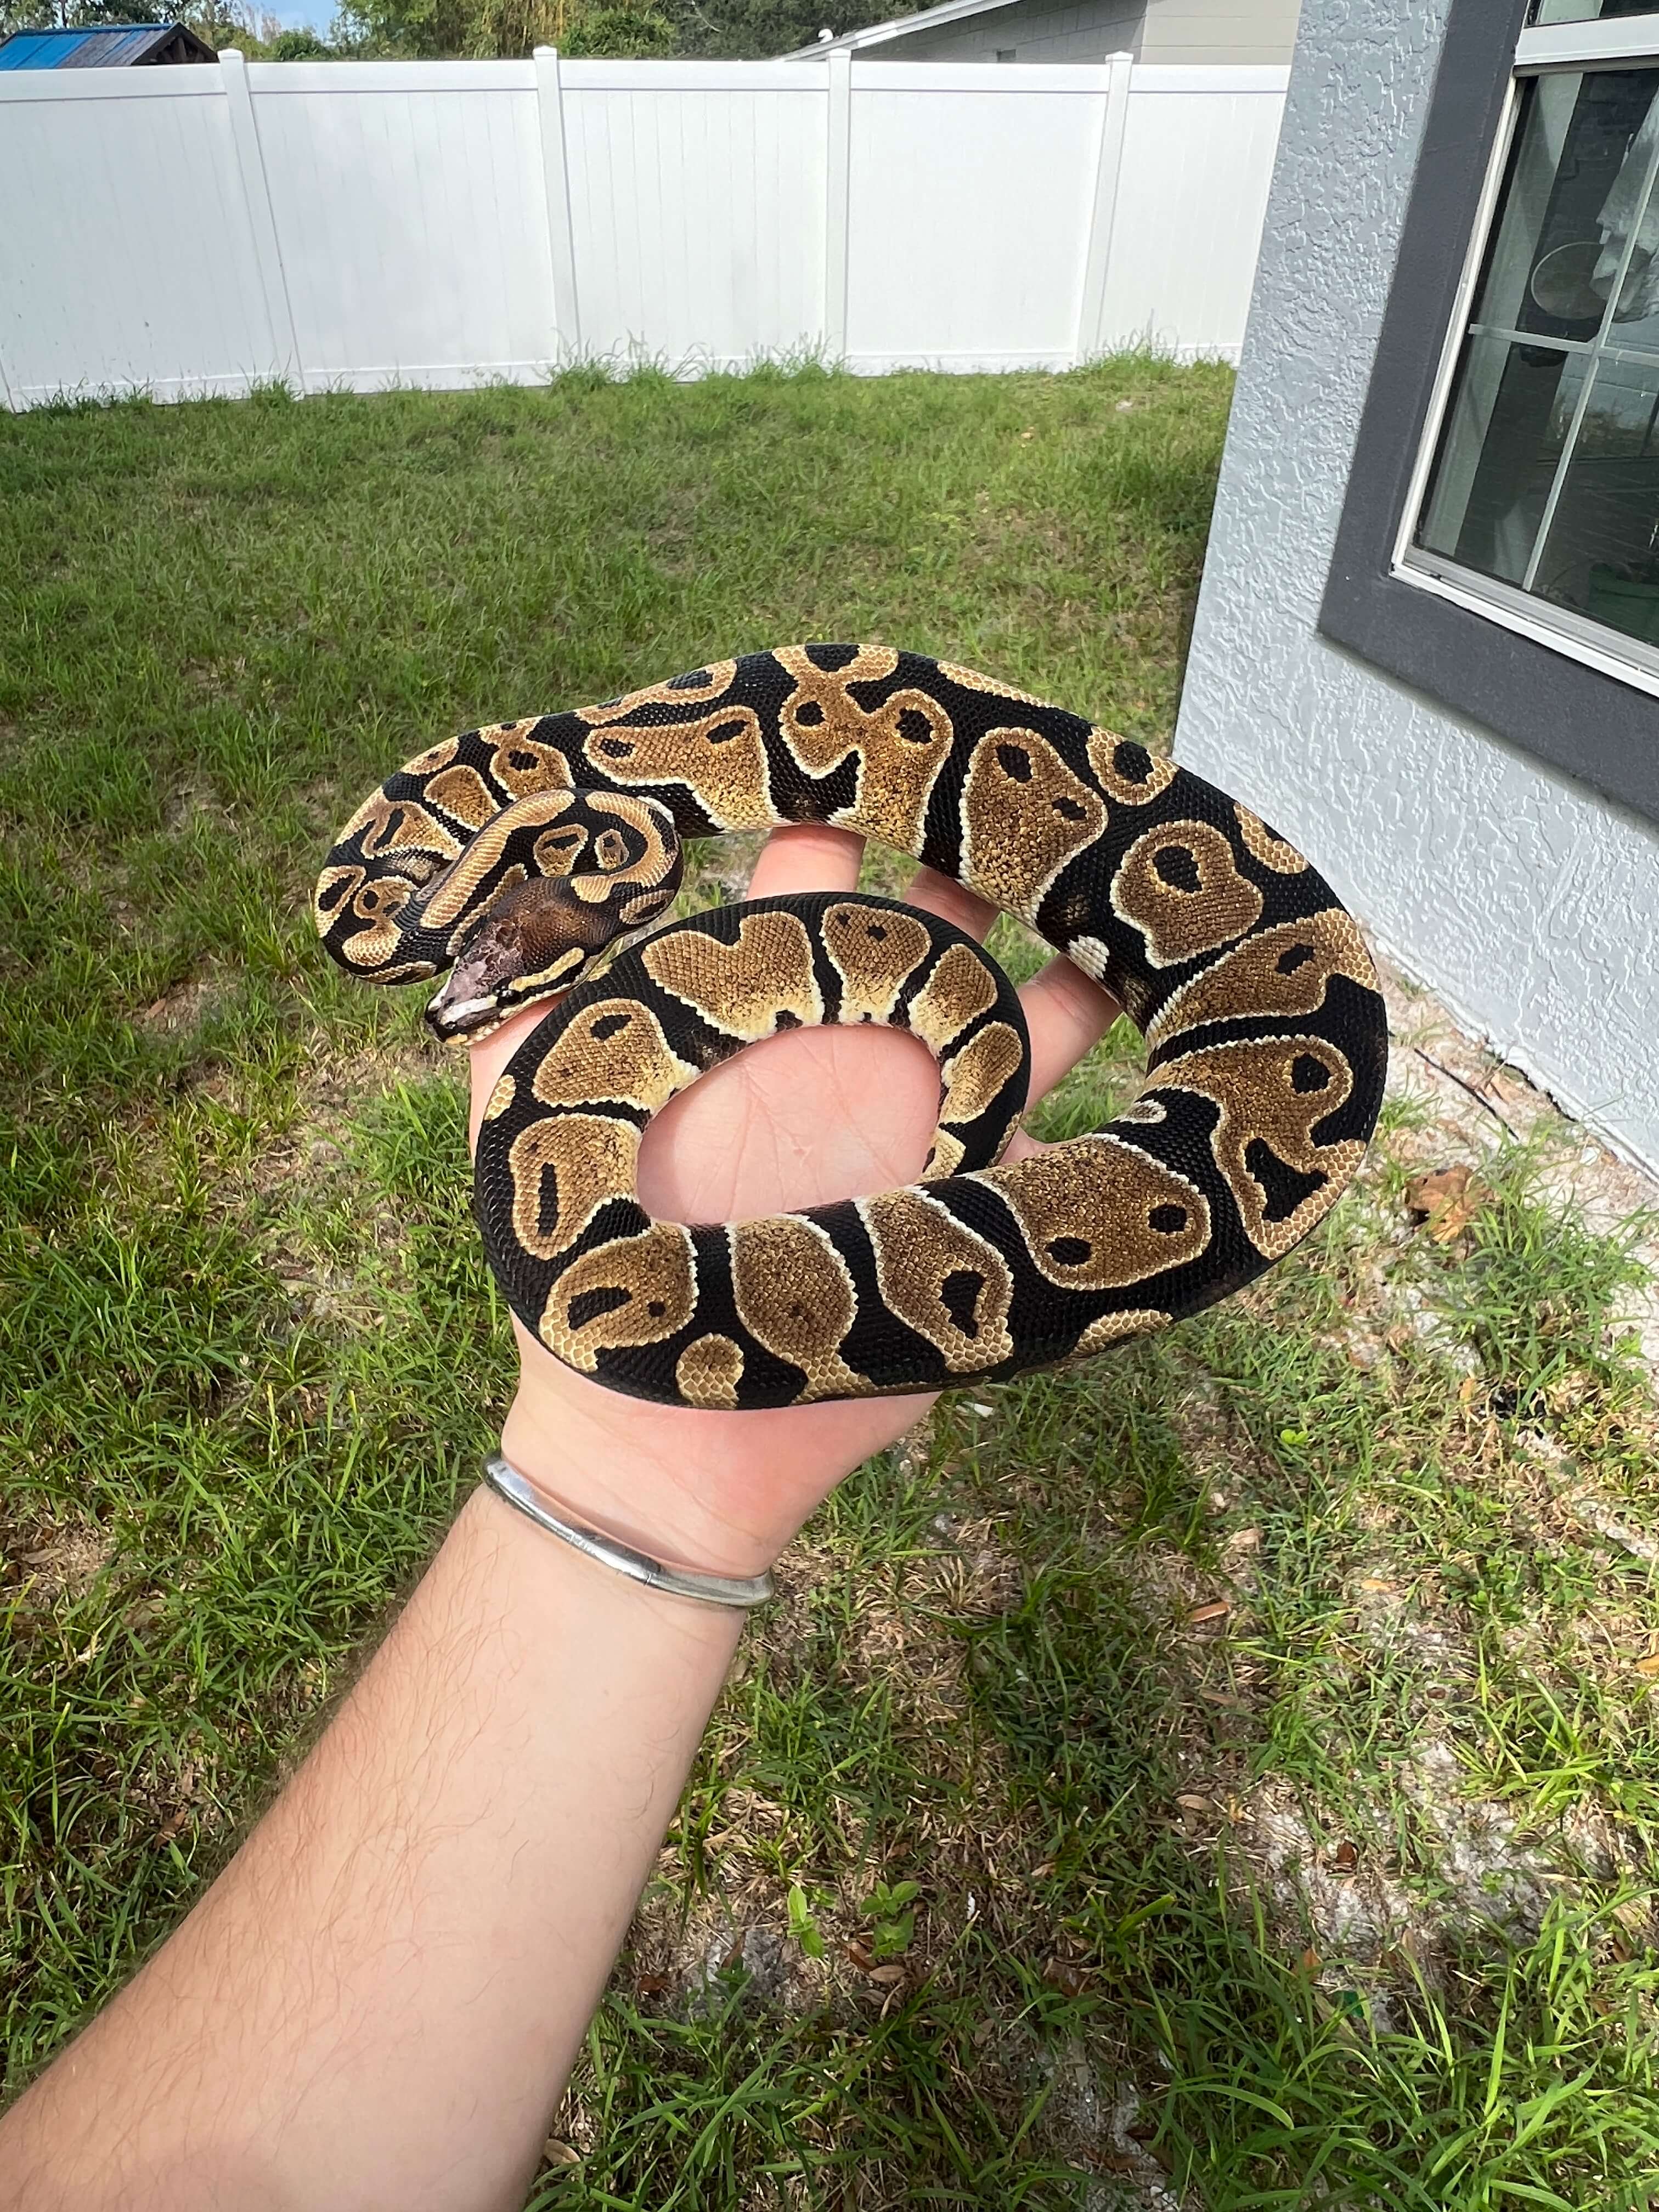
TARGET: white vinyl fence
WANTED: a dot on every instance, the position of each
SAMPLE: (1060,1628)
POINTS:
(357,225)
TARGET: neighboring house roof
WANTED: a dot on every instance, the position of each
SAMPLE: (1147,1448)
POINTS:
(104,45)
(877,34)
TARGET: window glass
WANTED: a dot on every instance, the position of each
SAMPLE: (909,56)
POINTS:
(1585,11)
(1547,477)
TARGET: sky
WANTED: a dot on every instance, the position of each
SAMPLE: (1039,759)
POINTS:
(305,15)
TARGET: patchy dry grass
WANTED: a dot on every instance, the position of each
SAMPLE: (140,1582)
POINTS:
(1227,1776)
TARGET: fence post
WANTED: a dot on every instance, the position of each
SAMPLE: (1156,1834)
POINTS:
(256,195)
(561,238)
(1097,249)
(837,190)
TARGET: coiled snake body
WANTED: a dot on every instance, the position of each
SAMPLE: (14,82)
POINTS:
(513,853)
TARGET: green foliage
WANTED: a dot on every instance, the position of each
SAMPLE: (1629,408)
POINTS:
(74,14)
(221,23)
(639,29)
(890,1909)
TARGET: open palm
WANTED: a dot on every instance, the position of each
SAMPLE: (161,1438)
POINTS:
(817,1114)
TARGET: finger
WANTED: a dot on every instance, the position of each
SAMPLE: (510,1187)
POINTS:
(491,1056)
(1067,1016)
(808,856)
(952,901)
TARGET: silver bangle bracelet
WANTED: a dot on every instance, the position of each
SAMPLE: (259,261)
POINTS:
(638,1566)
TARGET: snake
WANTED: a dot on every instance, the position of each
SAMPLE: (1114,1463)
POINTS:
(532,861)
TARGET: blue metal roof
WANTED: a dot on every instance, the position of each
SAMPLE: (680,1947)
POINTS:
(99,46)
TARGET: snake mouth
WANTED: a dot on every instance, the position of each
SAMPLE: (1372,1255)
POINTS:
(455,1019)
(469,1004)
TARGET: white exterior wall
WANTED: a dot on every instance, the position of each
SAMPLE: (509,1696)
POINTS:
(1036,31)
(1530,904)
(1226,33)
(1205,33)
(448,223)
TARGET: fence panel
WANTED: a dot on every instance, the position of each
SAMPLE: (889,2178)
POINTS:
(697,206)
(445,223)
(125,253)
(1198,157)
(411,219)
(971,193)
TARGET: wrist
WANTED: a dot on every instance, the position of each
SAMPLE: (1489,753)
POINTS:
(737,1593)
(648,1491)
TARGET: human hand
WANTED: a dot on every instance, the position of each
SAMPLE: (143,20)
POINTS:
(797,1121)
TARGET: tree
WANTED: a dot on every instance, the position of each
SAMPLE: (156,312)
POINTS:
(220,22)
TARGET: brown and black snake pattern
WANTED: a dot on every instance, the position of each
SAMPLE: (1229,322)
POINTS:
(511,854)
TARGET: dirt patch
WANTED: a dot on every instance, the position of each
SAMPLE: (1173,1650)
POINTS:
(193,798)
(182,1005)
(56,1559)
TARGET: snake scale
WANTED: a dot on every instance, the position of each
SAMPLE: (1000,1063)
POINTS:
(511,855)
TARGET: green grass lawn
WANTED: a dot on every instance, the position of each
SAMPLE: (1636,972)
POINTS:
(1231,1769)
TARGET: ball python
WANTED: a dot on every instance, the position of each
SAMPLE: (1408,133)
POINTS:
(511,855)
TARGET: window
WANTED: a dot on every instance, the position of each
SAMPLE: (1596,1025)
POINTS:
(1499,542)
(1542,498)
(1006,53)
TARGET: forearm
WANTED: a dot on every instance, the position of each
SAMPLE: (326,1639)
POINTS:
(380,1999)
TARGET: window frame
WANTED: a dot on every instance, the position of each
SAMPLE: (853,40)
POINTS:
(1554,690)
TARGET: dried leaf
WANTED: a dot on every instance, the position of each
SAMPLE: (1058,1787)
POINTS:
(887,1976)
(561,2154)
(1348,1857)
(1447,1200)
(1224,1698)
(1216,1609)
(1042,1873)
(1650,1665)
(1061,1974)
(863,1959)
(652,1985)
(1310,1961)
(1194,1804)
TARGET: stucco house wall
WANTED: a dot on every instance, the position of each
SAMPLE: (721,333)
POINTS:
(1220,33)
(1525,900)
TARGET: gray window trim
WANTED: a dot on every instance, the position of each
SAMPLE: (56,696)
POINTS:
(1596,728)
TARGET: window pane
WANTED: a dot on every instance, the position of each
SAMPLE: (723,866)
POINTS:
(1510,418)
(1600,556)
(1547,475)
(1571,198)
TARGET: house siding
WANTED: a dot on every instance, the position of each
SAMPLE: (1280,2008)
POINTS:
(1529,903)
(1073,31)
(1239,33)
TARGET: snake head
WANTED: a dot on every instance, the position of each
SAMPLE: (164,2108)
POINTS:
(534,942)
